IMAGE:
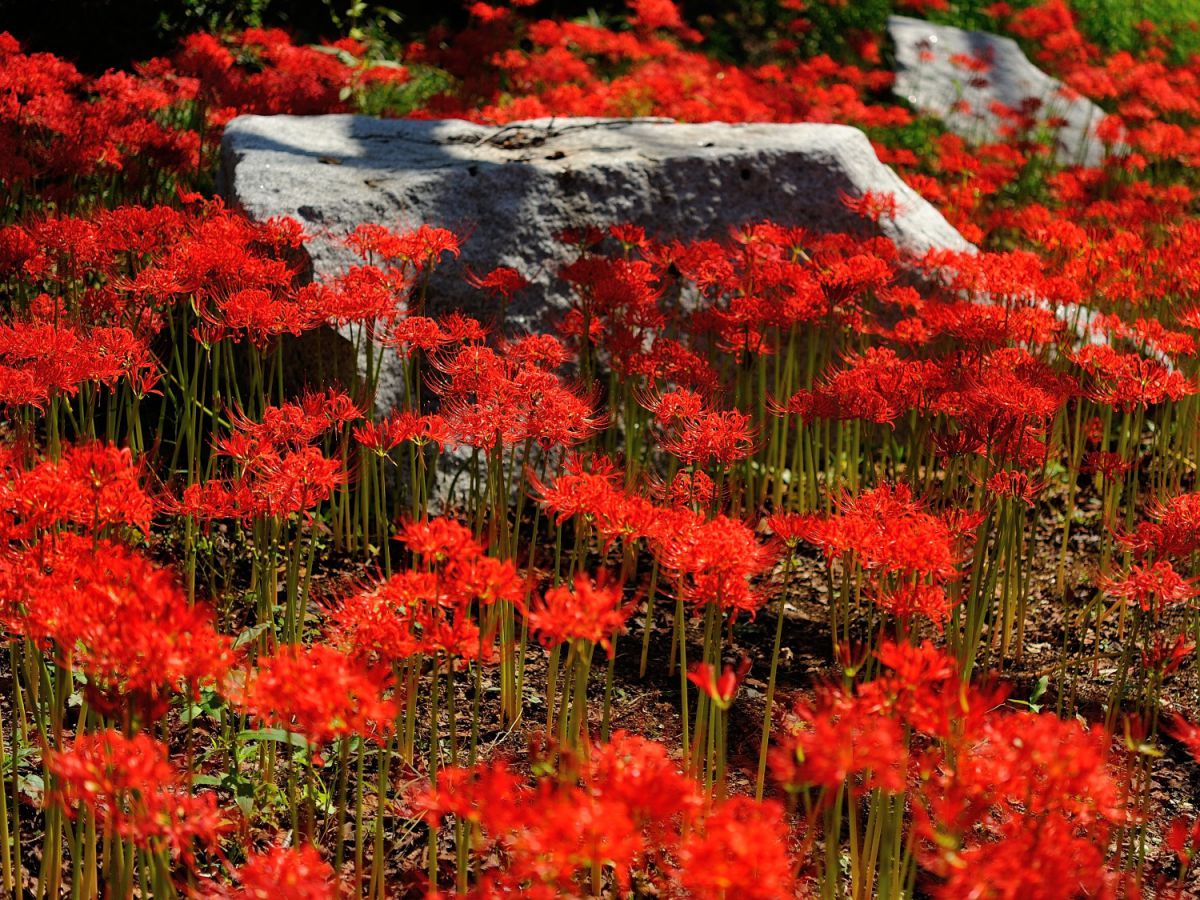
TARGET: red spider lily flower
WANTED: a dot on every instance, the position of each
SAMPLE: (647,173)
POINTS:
(319,693)
(886,531)
(839,740)
(416,333)
(877,386)
(792,528)
(925,690)
(1051,860)
(716,561)
(91,486)
(503,282)
(280,873)
(135,793)
(301,422)
(1152,587)
(261,71)
(908,599)
(651,15)
(549,832)
(1173,529)
(1018,485)
(622,813)
(614,513)
(113,615)
(740,851)
(871,205)
(1183,838)
(440,540)
(718,436)
(278,473)
(490,401)
(401,427)
(369,295)
(1023,777)
(642,777)
(429,610)
(691,490)
(1111,465)
(629,236)
(592,612)
(1166,658)
(720,688)
(1127,381)
(41,360)
(422,247)
(1186,733)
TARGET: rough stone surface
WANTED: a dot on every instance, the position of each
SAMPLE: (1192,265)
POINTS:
(938,86)
(511,189)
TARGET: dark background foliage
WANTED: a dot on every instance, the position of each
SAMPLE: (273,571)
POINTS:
(102,34)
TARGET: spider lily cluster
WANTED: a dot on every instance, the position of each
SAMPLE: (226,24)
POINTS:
(263,636)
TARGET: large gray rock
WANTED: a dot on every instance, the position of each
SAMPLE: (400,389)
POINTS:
(928,77)
(510,190)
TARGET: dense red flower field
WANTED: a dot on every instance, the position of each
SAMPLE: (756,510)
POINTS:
(789,565)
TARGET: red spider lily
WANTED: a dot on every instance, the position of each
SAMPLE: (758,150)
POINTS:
(273,484)
(113,615)
(592,612)
(716,561)
(295,424)
(1174,529)
(428,610)
(925,690)
(550,833)
(906,600)
(39,361)
(401,427)
(1023,775)
(1152,587)
(135,793)
(92,486)
(422,248)
(503,282)
(1183,839)
(690,490)
(1165,656)
(841,739)
(613,512)
(367,295)
(1050,861)
(878,386)
(712,436)
(319,693)
(1018,485)
(870,205)
(1127,381)
(62,128)
(742,850)
(721,688)
(283,873)
(278,473)
(1111,465)
(262,71)
(887,531)
(1186,733)
(641,776)
(490,401)
(622,813)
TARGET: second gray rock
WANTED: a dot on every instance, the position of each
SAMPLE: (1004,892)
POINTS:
(934,72)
